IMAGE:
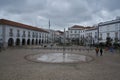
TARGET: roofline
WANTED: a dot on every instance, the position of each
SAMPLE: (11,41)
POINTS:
(109,22)
(20,25)
(91,29)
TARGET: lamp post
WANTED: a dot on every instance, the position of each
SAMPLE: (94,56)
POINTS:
(98,33)
(49,33)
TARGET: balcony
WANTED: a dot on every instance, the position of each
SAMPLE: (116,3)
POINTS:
(11,34)
(23,35)
(100,38)
(29,35)
(18,35)
(33,36)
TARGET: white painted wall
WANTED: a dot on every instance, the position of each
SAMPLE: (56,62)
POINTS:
(7,36)
(91,36)
(111,29)
(1,35)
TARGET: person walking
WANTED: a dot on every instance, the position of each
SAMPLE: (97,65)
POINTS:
(111,49)
(97,50)
(101,52)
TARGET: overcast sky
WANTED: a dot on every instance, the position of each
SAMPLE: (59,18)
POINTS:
(62,13)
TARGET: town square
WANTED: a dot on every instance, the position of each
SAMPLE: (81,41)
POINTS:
(14,66)
(59,40)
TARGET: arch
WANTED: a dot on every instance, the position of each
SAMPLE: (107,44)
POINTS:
(36,41)
(39,41)
(10,42)
(32,41)
(17,41)
(28,42)
(23,41)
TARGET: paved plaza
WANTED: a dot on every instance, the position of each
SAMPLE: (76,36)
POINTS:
(14,66)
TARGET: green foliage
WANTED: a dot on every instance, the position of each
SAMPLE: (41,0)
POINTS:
(108,41)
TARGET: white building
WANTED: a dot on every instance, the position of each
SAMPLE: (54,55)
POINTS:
(109,29)
(75,31)
(51,35)
(17,34)
(58,36)
(76,34)
(91,35)
(85,35)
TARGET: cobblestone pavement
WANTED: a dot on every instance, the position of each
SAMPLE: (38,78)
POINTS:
(13,66)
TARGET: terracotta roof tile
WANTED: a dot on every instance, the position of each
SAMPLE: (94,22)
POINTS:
(20,25)
(59,31)
(77,26)
(90,28)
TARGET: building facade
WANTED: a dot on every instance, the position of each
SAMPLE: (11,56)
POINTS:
(91,36)
(18,34)
(75,33)
(109,29)
(82,35)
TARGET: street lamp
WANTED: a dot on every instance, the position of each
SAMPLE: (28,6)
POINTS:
(98,33)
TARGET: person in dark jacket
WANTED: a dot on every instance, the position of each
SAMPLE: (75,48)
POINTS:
(101,52)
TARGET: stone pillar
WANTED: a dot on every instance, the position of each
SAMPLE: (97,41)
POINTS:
(5,44)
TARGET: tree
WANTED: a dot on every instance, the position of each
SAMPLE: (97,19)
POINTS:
(116,44)
(108,41)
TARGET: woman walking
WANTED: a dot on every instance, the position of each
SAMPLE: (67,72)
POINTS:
(97,50)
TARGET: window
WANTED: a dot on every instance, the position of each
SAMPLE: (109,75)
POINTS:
(116,34)
(18,33)
(75,31)
(24,34)
(74,36)
(39,35)
(42,35)
(108,34)
(45,35)
(36,35)
(100,36)
(11,32)
(28,33)
(71,31)
(83,36)
(33,35)
(95,34)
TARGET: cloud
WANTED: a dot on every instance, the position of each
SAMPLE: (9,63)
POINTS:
(62,13)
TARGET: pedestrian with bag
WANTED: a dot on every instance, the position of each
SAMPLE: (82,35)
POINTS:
(97,50)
